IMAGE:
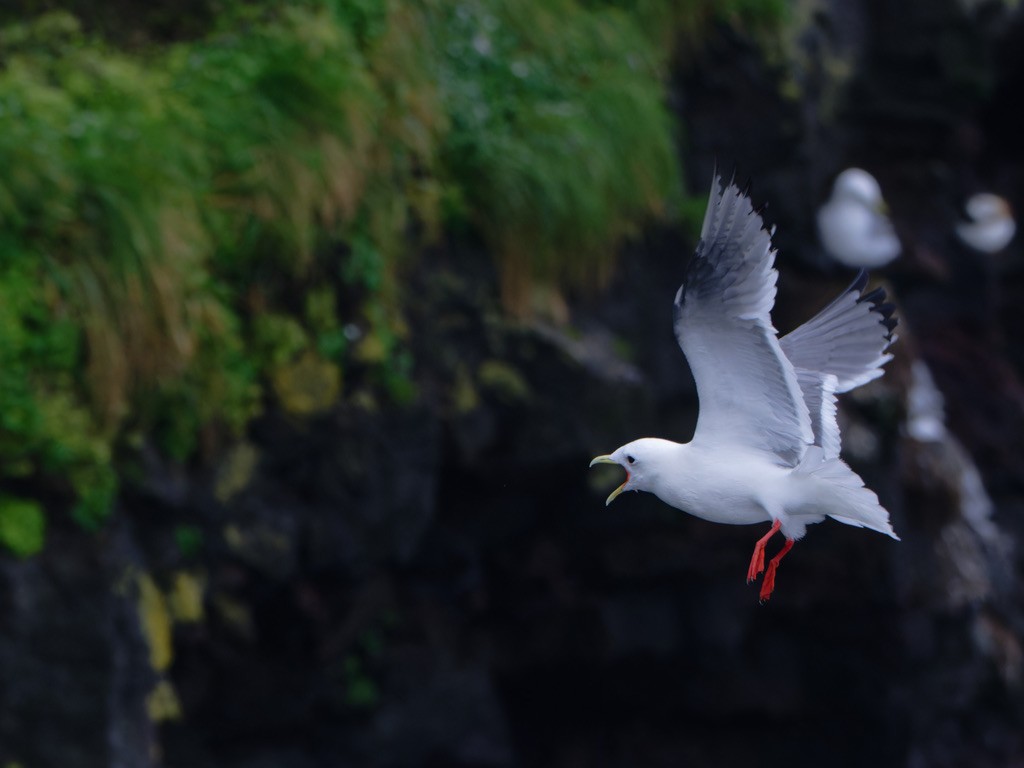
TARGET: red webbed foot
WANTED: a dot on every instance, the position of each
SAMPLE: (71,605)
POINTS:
(768,585)
(757,559)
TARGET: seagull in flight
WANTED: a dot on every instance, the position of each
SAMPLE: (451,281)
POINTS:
(766,446)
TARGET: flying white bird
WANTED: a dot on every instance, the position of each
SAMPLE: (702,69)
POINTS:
(991,226)
(766,446)
(853,224)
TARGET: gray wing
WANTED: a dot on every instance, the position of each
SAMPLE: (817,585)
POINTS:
(819,395)
(748,390)
(847,339)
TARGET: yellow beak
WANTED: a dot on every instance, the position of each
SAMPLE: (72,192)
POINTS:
(616,492)
(609,460)
(882,207)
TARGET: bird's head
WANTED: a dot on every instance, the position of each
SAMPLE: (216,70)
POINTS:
(985,206)
(641,460)
(857,184)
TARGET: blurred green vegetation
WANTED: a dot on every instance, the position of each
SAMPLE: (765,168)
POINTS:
(22,526)
(193,203)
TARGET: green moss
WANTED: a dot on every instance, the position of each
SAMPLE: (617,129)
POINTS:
(186,597)
(155,620)
(288,112)
(22,526)
(310,385)
(465,397)
(96,487)
(235,471)
(162,703)
(559,134)
(187,225)
(105,193)
(321,312)
(503,381)
(278,339)
(189,540)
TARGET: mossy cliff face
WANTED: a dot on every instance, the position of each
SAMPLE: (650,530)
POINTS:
(389,551)
(192,223)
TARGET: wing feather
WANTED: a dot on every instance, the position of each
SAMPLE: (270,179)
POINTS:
(748,389)
(847,339)
(819,395)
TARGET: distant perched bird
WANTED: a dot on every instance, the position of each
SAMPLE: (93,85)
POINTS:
(854,226)
(926,412)
(766,447)
(991,226)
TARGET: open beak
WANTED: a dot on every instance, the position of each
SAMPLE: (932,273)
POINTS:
(621,488)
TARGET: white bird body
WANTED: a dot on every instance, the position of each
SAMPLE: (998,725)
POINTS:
(991,226)
(766,446)
(739,487)
(736,489)
(853,226)
(701,483)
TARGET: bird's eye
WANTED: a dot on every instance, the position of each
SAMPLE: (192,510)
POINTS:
(630,459)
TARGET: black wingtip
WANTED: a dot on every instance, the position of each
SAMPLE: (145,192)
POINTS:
(876,296)
(889,319)
(879,305)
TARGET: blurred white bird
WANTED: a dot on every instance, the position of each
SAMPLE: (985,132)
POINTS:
(853,224)
(926,413)
(766,447)
(991,226)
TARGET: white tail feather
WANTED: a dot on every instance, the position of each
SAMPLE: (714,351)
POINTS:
(855,505)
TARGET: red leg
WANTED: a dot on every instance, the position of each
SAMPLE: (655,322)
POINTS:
(757,559)
(768,585)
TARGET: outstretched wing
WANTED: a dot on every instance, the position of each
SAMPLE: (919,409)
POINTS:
(819,394)
(847,339)
(748,390)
